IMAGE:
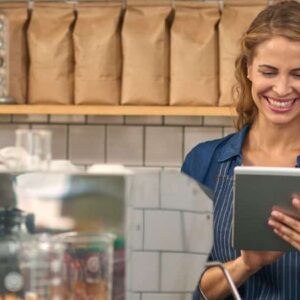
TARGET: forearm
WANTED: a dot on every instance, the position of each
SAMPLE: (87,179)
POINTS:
(214,284)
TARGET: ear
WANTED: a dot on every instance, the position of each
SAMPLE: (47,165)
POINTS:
(249,72)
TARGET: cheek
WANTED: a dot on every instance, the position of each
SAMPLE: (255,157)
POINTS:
(296,86)
(260,86)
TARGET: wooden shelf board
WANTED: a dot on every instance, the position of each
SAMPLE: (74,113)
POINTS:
(118,110)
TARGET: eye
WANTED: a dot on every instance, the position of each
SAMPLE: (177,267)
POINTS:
(268,73)
(296,75)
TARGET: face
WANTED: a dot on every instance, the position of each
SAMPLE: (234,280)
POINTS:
(275,77)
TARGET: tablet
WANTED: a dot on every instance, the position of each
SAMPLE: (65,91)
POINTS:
(256,191)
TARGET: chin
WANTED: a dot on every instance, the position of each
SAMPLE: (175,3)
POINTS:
(282,120)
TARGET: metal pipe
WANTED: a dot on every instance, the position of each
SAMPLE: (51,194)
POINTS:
(231,284)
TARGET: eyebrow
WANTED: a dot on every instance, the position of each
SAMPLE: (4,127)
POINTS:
(273,68)
(267,66)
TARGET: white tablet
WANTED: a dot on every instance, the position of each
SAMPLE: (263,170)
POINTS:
(256,191)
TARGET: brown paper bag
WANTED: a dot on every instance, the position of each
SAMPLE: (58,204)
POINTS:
(235,21)
(194,55)
(51,75)
(97,43)
(16,15)
(145,40)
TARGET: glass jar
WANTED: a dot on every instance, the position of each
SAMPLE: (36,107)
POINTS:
(88,264)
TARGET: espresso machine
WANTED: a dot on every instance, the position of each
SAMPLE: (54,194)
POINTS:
(103,236)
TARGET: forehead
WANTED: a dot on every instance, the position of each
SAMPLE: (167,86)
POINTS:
(278,51)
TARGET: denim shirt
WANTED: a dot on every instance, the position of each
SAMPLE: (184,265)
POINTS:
(212,164)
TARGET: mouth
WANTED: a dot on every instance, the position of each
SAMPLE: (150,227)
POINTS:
(280,105)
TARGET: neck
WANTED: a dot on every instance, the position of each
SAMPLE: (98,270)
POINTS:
(274,138)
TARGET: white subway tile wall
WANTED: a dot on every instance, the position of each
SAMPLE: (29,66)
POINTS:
(67,119)
(229,130)
(147,196)
(193,227)
(145,271)
(173,278)
(125,145)
(163,145)
(134,296)
(169,225)
(140,120)
(7,134)
(164,240)
(218,121)
(184,121)
(136,141)
(59,139)
(138,230)
(5,118)
(87,144)
(105,120)
(196,135)
(30,118)
(174,196)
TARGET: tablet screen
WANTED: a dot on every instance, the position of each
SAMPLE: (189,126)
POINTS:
(257,190)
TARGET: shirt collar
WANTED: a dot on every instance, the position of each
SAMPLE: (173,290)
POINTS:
(233,146)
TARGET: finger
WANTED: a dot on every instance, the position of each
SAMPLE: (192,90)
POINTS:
(288,239)
(296,203)
(282,218)
(285,232)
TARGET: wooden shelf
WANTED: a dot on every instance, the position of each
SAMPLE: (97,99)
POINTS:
(118,110)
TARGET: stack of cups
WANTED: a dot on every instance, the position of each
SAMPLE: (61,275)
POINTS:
(37,144)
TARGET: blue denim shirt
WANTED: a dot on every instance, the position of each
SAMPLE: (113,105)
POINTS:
(212,164)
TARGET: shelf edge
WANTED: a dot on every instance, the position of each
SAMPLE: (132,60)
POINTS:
(118,110)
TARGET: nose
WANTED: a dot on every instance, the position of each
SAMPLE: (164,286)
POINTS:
(282,86)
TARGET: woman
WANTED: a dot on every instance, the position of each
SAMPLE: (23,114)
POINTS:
(268,74)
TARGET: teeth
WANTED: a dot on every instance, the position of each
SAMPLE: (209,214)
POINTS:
(280,104)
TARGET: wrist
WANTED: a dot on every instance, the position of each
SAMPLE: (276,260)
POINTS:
(246,268)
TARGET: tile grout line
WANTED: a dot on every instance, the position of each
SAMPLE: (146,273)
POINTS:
(105,142)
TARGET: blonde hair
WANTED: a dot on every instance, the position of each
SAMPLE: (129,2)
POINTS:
(281,19)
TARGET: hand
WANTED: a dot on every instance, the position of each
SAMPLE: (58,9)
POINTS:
(286,227)
(254,260)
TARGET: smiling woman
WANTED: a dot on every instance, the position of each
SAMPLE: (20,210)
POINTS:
(276,33)
(268,106)
(276,80)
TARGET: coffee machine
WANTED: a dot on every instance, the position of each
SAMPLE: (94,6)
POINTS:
(159,223)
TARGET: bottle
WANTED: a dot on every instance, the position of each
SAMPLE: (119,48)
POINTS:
(118,286)
(14,225)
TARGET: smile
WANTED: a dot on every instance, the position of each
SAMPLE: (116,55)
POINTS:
(282,104)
